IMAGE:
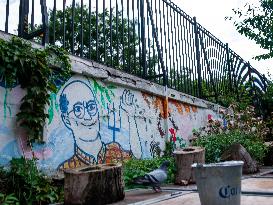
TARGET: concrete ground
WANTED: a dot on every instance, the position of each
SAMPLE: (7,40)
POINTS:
(256,189)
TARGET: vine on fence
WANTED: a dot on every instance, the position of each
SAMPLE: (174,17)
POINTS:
(35,70)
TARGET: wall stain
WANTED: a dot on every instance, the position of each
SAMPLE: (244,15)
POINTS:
(146,97)
(187,108)
(194,108)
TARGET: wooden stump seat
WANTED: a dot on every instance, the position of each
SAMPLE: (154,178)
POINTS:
(184,158)
(95,184)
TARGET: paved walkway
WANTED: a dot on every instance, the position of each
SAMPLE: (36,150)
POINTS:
(256,189)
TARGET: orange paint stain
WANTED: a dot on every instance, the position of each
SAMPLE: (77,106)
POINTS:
(187,108)
(146,97)
(178,106)
(161,105)
(194,108)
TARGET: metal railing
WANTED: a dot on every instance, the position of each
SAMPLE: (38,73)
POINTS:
(153,39)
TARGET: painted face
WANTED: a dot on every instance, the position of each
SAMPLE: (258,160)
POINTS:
(80,112)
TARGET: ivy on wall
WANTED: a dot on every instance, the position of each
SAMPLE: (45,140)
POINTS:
(35,70)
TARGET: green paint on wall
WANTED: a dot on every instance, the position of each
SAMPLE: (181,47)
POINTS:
(53,104)
(5,104)
(106,92)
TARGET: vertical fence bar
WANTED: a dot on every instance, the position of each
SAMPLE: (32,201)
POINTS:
(139,38)
(198,58)
(81,35)
(172,66)
(89,30)
(104,35)
(45,38)
(134,36)
(181,87)
(111,34)
(176,29)
(97,30)
(188,57)
(149,46)
(161,32)
(7,17)
(184,44)
(32,16)
(165,39)
(72,27)
(128,67)
(191,53)
(54,23)
(228,68)
(64,23)
(117,33)
(154,34)
(169,65)
(156,30)
(143,40)
(250,79)
(122,36)
(23,18)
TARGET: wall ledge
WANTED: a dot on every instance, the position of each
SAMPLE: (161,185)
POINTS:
(110,75)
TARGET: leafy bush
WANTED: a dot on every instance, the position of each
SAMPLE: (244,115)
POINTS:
(135,168)
(216,144)
(235,119)
(23,181)
(8,199)
(267,103)
(33,69)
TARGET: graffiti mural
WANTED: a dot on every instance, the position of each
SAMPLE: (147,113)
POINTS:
(106,124)
(94,122)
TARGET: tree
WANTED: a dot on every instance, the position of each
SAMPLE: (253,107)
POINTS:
(109,39)
(256,23)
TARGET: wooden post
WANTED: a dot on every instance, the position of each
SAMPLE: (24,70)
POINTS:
(184,158)
(95,184)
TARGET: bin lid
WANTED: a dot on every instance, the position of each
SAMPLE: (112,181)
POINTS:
(220,164)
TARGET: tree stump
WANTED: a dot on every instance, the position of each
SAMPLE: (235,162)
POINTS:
(238,152)
(96,184)
(184,158)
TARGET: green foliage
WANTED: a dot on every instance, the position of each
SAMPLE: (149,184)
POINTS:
(256,22)
(236,119)
(25,184)
(267,103)
(33,69)
(134,168)
(239,126)
(169,148)
(216,144)
(9,199)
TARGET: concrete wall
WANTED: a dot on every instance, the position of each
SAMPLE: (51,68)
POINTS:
(102,115)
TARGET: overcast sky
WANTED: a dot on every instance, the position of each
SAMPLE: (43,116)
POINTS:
(209,13)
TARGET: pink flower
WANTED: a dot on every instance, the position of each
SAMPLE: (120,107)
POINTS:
(209,117)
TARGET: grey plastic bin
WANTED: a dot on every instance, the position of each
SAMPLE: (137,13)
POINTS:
(219,183)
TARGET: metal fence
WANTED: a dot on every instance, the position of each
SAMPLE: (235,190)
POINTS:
(153,39)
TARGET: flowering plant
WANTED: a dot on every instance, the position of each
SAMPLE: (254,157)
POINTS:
(235,119)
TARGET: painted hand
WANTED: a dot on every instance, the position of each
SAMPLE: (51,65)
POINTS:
(128,102)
